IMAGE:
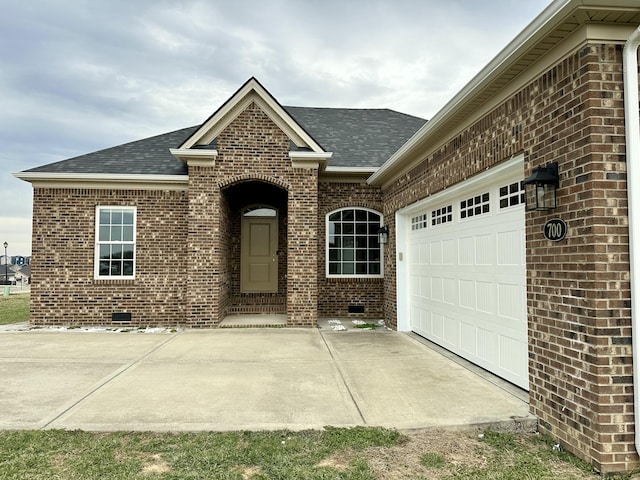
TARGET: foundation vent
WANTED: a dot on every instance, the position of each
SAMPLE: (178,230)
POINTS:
(121,317)
(356,309)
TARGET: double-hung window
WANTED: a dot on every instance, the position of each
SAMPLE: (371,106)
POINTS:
(353,249)
(115,242)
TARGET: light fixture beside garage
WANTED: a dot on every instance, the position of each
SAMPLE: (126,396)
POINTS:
(383,235)
(540,188)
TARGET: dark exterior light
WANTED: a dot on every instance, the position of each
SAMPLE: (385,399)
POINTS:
(383,235)
(540,188)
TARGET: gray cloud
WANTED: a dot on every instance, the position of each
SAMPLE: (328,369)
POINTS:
(80,75)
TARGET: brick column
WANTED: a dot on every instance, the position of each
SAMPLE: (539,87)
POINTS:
(203,262)
(302,269)
(578,289)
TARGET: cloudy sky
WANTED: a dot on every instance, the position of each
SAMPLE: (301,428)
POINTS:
(81,75)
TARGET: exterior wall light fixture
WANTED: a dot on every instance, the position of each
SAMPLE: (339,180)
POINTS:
(540,188)
(383,235)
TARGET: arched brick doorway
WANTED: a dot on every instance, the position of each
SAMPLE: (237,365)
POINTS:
(241,199)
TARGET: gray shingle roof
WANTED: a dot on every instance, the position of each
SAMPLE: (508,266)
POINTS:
(357,138)
(148,156)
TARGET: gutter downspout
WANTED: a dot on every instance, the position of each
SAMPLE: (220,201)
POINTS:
(632,133)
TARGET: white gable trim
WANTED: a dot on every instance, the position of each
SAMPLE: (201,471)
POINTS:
(251,92)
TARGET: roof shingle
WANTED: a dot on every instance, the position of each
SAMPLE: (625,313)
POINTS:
(357,138)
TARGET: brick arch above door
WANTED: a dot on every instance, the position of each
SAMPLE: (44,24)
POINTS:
(248,177)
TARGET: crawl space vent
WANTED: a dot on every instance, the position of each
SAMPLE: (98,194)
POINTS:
(356,308)
(121,317)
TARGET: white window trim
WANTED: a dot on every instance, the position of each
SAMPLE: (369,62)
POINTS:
(96,250)
(326,241)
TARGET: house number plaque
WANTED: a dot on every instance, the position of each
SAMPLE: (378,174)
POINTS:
(555,229)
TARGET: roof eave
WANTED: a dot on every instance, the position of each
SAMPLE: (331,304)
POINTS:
(104,180)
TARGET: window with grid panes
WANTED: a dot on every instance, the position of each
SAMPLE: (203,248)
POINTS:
(352,243)
(115,242)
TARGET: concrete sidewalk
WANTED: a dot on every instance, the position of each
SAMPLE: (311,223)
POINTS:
(240,379)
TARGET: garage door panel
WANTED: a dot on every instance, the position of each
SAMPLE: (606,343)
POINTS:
(451,331)
(471,277)
(487,343)
(467,251)
(450,291)
(468,339)
(485,249)
(437,325)
(450,252)
(467,297)
(511,349)
(509,246)
(436,289)
(486,297)
(511,301)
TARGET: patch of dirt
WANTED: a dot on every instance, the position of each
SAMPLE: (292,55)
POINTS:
(459,449)
(403,461)
(155,464)
(338,462)
(249,472)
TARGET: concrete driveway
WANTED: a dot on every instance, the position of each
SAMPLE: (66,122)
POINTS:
(237,379)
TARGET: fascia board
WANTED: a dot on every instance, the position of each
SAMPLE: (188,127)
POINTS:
(347,174)
(311,155)
(355,170)
(104,180)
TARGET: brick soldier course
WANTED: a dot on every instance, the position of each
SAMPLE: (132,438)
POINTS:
(555,94)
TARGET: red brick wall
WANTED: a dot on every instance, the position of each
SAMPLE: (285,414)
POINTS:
(577,289)
(336,294)
(64,291)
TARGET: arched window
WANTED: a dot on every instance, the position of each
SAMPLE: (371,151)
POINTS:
(353,249)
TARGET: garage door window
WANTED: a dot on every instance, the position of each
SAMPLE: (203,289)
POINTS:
(419,222)
(442,215)
(352,243)
(474,206)
(512,195)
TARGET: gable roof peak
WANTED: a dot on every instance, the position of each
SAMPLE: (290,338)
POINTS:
(252,91)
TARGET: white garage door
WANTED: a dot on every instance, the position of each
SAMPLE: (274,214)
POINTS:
(464,284)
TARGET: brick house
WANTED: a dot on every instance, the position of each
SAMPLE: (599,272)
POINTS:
(466,265)
(238,204)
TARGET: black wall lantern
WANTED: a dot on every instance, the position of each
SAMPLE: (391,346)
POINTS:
(540,188)
(383,235)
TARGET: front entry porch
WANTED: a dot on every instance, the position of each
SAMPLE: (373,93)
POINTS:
(257,257)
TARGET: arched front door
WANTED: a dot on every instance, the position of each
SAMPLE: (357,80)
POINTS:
(259,249)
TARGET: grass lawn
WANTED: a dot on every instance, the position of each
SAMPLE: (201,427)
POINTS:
(14,308)
(336,453)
